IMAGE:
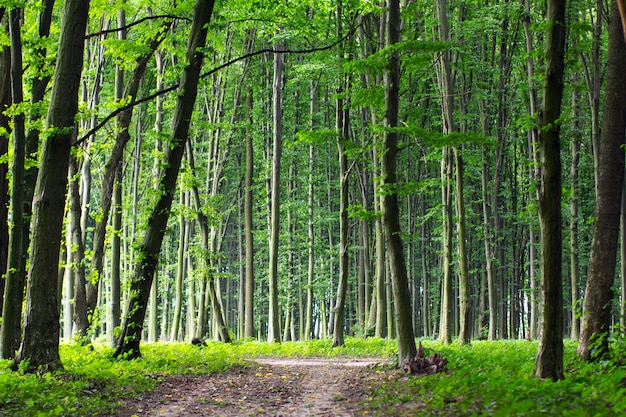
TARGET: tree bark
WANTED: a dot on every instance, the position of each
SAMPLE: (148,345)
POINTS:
(40,338)
(273,334)
(391,212)
(549,362)
(596,321)
(76,252)
(130,336)
(13,289)
(249,226)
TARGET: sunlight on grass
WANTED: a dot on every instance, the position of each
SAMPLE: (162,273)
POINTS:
(495,379)
(484,379)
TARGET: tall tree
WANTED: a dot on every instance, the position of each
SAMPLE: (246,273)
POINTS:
(391,220)
(342,123)
(40,338)
(596,320)
(273,332)
(249,225)
(549,362)
(130,335)
(8,339)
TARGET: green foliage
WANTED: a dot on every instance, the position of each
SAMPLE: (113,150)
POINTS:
(495,379)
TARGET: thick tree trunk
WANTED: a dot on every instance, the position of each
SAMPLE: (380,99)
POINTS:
(130,335)
(40,338)
(596,319)
(391,211)
(549,362)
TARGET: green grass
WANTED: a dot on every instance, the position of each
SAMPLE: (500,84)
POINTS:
(484,379)
(495,379)
(92,382)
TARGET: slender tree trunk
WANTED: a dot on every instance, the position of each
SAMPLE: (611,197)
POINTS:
(180,272)
(274,324)
(464,296)
(379,286)
(13,288)
(342,285)
(445,319)
(574,260)
(425,279)
(249,226)
(40,338)
(489,256)
(77,252)
(622,311)
(596,319)
(549,362)
(128,344)
(308,330)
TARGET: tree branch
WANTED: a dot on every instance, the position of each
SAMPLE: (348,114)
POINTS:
(173,87)
(130,25)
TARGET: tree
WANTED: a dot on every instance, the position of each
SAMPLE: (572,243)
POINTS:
(130,335)
(12,288)
(596,321)
(249,226)
(397,265)
(40,338)
(273,332)
(549,362)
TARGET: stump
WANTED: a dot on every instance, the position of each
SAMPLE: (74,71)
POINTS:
(421,365)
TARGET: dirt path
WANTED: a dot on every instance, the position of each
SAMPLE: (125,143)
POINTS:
(268,387)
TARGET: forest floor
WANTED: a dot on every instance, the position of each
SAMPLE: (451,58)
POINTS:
(268,387)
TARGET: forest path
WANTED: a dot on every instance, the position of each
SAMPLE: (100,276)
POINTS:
(267,387)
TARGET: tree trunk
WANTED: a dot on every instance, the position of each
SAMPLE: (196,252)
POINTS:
(13,288)
(5,103)
(180,272)
(464,296)
(549,362)
(596,321)
(445,319)
(249,225)
(342,128)
(40,338)
(274,323)
(574,260)
(391,211)
(76,252)
(38,90)
(130,336)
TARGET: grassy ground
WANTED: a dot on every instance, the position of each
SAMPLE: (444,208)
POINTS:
(486,378)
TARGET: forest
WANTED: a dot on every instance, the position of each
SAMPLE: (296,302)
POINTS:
(287,171)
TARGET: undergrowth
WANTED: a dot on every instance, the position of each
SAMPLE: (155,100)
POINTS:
(484,379)
(495,379)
